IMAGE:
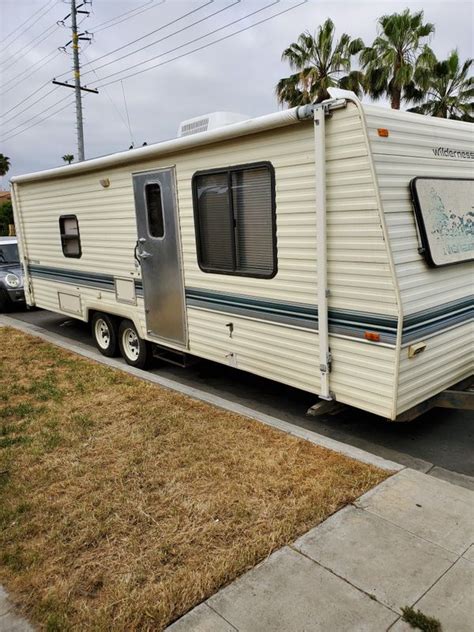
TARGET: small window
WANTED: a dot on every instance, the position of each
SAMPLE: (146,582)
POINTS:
(70,237)
(154,207)
(234,212)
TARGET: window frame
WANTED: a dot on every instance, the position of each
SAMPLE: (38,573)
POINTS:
(197,229)
(65,237)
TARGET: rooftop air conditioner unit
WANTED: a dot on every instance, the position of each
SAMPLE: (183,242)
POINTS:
(208,122)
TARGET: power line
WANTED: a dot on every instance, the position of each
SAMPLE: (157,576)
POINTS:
(24,50)
(98,26)
(25,99)
(38,122)
(181,30)
(28,107)
(43,8)
(107,94)
(103,26)
(267,19)
(29,71)
(78,88)
(9,133)
(185,15)
(128,117)
(197,39)
(199,48)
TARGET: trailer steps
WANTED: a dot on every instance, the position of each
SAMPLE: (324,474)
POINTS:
(325,407)
(178,358)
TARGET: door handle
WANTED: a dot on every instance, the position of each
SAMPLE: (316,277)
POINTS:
(144,254)
(140,255)
(135,253)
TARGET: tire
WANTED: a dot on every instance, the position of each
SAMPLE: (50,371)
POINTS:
(135,351)
(104,332)
(5,303)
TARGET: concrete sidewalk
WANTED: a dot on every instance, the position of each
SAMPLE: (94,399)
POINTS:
(408,542)
(11,621)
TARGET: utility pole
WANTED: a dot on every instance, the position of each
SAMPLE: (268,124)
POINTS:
(77,81)
(76,37)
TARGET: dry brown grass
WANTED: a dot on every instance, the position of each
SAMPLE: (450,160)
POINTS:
(122,505)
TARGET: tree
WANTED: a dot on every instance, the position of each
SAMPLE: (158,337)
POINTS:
(4,165)
(319,63)
(396,53)
(445,90)
(6,217)
(68,158)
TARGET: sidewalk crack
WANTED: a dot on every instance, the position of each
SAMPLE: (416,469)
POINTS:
(416,535)
(222,617)
(344,579)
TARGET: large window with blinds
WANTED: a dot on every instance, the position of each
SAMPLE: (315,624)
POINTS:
(234,214)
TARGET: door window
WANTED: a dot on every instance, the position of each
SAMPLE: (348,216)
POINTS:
(154,205)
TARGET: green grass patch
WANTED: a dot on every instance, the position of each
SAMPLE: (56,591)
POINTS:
(46,388)
(420,621)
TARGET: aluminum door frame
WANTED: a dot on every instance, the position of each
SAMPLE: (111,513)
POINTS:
(160,258)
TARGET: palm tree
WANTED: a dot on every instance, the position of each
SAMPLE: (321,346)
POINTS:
(446,90)
(390,63)
(319,63)
(68,158)
(4,165)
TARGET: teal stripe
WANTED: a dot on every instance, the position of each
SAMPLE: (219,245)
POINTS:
(340,321)
(351,323)
(89,279)
(348,323)
(413,321)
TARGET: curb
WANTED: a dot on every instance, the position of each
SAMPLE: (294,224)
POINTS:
(220,402)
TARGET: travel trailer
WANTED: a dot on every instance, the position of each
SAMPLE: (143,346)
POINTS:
(328,247)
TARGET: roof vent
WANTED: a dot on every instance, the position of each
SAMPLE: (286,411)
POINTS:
(208,122)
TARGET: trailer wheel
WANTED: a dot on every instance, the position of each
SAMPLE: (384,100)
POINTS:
(135,351)
(104,331)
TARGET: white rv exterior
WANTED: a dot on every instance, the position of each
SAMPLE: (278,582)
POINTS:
(391,330)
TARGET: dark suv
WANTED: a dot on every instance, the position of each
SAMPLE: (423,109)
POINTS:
(11,275)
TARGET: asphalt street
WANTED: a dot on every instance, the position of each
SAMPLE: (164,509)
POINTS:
(441,442)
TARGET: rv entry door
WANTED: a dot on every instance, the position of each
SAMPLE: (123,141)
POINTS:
(159,254)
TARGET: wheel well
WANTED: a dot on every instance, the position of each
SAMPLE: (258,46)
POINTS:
(91,312)
(117,317)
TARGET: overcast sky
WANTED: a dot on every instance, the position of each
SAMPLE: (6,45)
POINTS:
(238,74)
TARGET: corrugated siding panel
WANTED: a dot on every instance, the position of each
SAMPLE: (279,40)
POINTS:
(358,265)
(46,296)
(281,353)
(447,359)
(107,245)
(405,154)
(362,373)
